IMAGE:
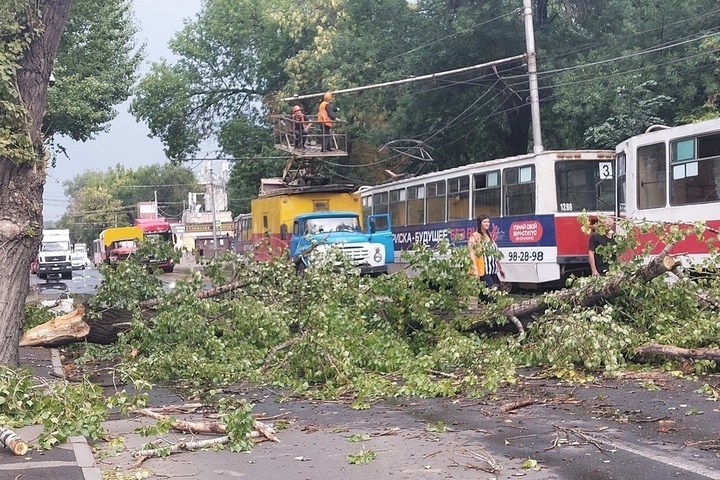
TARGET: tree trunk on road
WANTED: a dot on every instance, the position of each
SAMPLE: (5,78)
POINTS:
(589,294)
(678,352)
(77,327)
(21,183)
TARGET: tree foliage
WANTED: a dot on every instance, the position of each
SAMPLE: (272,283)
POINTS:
(331,333)
(100,200)
(31,32)
(95,70)
(608,70)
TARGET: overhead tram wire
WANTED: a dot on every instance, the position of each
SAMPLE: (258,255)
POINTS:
(464,112)
(593,77)
(467,30)
(615,39)
(412,79)
(654,49)
(545,99)
(596,78)
(545,74)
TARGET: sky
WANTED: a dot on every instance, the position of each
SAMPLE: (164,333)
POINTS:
(126,142)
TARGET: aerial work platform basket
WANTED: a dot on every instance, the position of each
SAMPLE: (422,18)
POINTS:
(313,137)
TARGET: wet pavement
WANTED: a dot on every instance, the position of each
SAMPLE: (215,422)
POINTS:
(614,429)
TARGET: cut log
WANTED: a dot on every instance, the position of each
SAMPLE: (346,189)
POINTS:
(185,426)
(76,327)
(181,447)
(678,352)
(11,440)
(589,295)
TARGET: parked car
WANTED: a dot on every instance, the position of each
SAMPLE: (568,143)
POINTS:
(34,266)
(78,260)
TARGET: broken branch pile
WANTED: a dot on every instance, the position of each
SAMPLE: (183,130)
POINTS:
(262,431)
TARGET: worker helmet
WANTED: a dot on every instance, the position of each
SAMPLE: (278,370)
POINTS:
(328,97)
(296,108)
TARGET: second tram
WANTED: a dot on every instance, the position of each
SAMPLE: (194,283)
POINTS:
(534,202)
(673,175)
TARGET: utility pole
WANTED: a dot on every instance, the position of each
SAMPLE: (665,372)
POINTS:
(212,206)
(156,206)
(532,74)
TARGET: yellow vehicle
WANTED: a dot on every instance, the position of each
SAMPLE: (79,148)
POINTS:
(273,214)
(117,244)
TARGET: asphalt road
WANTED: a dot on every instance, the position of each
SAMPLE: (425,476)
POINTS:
(610,429)
(640,426)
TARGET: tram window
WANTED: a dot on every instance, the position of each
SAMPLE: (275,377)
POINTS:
(519,183)
(367,206)
(709,146)
(397,207)
(581,187)
(696,170)
(416,205)
(652,173)
(683,150)
(486,194)
(622,180)
(380,202)
(458,199)
(436,202)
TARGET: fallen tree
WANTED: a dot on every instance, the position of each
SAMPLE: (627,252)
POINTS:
(100,326)
(589,295)
(103,326)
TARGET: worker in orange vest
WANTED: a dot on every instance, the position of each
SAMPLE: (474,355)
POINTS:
(326,117)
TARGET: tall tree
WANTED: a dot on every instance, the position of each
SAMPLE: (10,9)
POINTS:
(629,65)
(30,33)
(93,74)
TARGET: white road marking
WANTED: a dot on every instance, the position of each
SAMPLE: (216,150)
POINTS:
(654,455)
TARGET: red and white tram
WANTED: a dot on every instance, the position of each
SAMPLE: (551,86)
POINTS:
(673,175)
(533,200)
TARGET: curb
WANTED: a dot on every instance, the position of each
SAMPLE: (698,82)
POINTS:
(83,453)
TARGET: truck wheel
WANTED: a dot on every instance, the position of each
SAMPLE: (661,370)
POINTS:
(67,275)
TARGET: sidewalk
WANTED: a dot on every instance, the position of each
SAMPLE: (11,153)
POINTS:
(187,265)
(71,461)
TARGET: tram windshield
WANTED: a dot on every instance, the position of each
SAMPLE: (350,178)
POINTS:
(585,185)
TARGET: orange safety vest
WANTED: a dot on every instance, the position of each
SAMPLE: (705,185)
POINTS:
(323,115)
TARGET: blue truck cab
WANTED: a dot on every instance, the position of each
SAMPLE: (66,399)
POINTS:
(370,249)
